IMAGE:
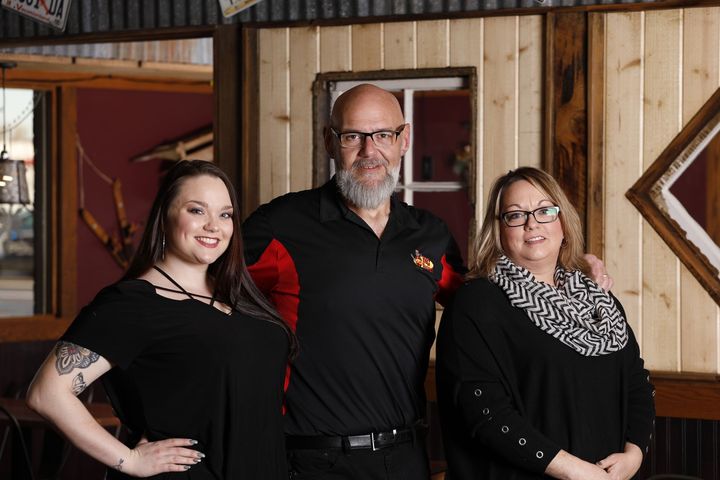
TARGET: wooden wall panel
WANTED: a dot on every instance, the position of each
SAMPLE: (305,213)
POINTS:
(623,117)
(335,55)
(433,44)
(530,88)
(399,45)
(466,50)
(668,62)
(701,73)
(274,113)
(304,65)
(661,114)
(466,42)
(499,98)
(367,48)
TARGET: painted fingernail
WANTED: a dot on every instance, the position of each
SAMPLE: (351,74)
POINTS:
(197,460)
(193,442)
(186,467)
(201,455)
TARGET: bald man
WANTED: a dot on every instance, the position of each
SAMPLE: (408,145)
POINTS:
(356,273)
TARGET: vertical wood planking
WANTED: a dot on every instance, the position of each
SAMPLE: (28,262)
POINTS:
(530,86)
(499,98)
(623,117)
(466,50)
(274,113)
(661,123)
(701,41)
(595,215)
(303,67)
(367,48)
(399,45)
(432,44)
(335,49)
(466,42)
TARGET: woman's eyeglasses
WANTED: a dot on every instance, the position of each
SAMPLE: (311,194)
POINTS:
(518,218)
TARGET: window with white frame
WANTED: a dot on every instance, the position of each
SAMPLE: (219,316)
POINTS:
(436,169)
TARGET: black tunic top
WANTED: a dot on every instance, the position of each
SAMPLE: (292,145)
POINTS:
(511,396)
(186,369)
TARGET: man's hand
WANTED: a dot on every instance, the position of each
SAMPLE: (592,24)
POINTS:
(599,272)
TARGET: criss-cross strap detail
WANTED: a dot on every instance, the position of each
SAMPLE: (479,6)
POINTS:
(577,312)
(182,290)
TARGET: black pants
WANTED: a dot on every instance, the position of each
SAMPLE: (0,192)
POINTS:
(406,461)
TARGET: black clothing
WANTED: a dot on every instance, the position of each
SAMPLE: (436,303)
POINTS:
(185,369)
(363,307)
(407,461)
(511,396)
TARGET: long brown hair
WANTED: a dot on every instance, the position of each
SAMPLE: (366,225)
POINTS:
(487,245)
(230,277)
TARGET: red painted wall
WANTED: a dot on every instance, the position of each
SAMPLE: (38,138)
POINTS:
(113,126)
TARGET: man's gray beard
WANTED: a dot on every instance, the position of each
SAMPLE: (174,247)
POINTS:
(365,196)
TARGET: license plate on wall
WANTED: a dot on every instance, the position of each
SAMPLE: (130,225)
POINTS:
(231,7)
(51,12)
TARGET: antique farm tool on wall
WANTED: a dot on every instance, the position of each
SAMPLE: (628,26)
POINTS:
(120,248)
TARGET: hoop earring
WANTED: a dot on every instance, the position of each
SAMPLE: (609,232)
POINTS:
(162,251)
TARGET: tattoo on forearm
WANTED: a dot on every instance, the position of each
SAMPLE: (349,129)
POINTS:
(70,356)
(78,384)
(118,467)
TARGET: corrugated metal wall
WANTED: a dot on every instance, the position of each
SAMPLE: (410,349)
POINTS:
(92,16)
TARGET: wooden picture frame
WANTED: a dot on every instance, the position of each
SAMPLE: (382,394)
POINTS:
(646,193)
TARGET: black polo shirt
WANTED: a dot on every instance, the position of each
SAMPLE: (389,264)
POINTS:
(363,308)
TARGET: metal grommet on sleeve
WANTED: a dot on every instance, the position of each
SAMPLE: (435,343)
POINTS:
(505,429)
(486,411)
(539,454)
(478,392)
(522,441)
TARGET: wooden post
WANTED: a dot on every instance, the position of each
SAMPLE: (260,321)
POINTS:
(566,106)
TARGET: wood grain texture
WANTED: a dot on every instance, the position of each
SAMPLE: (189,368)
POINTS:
(566,108)
(399,45)
(466,50)
(29,329)
(687,396)
(595,214)
(701,73)
(466,42)
(367,48)
(432,44)
(303,67)
(623,117)
(274,113)
(699,326)
(530,91)
(335,49)
(661,114)
(249,192)
(499,99)
(228,100)
(65,205)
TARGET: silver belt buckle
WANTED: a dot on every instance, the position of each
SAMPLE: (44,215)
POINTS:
(372,439)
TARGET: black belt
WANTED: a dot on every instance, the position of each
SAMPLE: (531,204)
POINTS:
(373,441)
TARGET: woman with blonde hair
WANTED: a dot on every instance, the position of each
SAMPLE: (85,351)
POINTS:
(539,374)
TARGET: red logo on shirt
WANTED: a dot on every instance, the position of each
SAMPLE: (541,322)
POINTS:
(422,261)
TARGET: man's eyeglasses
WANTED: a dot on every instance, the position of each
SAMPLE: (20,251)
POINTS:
(518,218)
(381,138)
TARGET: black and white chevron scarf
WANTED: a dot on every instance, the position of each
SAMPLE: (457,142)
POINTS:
(577,311)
